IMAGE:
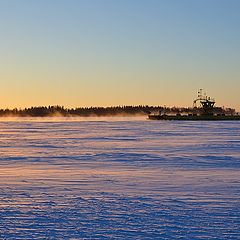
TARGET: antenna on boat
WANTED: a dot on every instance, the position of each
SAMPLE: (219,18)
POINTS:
(200,93)
(199,97)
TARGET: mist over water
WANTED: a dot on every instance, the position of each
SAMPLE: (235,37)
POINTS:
(115,118)
(119,178)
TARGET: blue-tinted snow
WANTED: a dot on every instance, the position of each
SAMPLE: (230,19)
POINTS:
(119,180)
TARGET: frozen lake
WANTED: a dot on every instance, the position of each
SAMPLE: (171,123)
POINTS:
(119,179)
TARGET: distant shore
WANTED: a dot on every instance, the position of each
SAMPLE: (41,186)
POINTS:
(114,111)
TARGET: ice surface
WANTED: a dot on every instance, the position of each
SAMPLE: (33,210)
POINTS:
(124,179)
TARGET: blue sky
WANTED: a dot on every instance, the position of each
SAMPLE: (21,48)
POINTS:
(109,52)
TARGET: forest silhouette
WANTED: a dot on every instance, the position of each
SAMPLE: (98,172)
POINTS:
(53,111)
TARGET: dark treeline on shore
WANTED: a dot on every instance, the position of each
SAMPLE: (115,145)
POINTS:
(52,111)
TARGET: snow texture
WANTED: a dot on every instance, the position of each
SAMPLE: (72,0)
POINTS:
(119,179)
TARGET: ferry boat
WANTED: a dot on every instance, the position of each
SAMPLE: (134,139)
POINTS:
(205,112)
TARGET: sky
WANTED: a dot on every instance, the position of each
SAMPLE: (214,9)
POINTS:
(78,53)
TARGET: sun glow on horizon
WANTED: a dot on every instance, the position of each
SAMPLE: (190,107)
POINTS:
(87,53)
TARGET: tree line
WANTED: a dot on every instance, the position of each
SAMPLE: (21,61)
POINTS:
(49,111)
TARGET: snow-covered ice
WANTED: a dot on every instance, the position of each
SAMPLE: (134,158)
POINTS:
(119,179)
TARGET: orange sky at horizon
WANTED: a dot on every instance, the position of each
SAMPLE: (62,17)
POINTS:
(87,53)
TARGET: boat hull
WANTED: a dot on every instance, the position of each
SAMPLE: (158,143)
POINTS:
(195,118)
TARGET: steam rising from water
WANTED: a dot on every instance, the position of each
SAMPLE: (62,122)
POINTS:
(72,119)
